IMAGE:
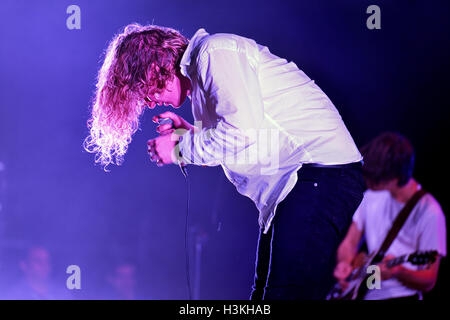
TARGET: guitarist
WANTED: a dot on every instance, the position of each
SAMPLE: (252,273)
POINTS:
(387,169)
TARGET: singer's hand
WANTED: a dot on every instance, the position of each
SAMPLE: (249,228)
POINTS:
(162,149)
(177,123)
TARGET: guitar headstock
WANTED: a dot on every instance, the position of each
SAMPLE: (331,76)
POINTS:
(424,257)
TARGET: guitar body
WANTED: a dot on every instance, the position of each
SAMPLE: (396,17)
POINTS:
(354,289)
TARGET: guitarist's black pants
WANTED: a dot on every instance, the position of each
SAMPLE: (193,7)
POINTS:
(296,258)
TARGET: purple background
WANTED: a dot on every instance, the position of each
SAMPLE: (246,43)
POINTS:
(51,193)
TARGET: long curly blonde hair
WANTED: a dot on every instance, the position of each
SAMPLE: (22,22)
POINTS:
(137,62)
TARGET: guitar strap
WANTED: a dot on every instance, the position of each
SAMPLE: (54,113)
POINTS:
(398,224)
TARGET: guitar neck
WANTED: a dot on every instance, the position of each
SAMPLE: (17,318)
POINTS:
(396,261)
(362,271)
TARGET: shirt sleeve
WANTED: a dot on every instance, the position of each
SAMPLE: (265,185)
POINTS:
(360,214)
(232,91)
(432,230)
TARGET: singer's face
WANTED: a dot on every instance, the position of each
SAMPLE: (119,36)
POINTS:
(174,94)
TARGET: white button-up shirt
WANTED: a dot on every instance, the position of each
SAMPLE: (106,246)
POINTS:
(260,118)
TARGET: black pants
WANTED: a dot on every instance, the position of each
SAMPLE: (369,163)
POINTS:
(296,258)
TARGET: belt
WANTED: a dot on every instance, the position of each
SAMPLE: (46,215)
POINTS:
(334,166)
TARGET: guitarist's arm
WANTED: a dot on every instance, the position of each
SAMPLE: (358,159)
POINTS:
(346,252)
(423,280)
(432,236)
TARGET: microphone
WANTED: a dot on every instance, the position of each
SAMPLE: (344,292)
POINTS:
(162,121)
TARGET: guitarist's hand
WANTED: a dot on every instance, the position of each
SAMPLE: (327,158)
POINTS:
(341,272)
(386,272)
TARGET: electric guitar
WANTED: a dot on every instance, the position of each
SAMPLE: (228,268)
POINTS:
(357,288)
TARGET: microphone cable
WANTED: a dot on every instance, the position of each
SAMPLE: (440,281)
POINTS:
(183,169)
(186,228)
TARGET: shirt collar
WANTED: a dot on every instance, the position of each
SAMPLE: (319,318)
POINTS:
(193,43)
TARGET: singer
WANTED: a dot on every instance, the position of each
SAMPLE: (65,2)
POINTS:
(278,137)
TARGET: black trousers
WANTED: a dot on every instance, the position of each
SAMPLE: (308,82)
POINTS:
(296,258)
